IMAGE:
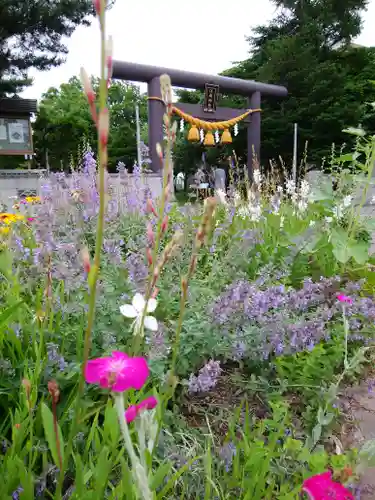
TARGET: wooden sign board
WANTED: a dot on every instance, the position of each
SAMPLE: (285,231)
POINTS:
(15,136)
(211,95)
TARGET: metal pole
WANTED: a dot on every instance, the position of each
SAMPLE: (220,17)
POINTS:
(295,152)
(139,156)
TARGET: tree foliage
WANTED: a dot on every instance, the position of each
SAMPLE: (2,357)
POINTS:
(308,48)
(64,120)
(31,36)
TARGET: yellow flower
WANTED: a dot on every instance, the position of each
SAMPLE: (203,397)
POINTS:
(33,199)
(10,218)
(4,230)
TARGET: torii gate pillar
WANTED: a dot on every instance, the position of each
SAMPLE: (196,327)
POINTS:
(156,110)
(253,133)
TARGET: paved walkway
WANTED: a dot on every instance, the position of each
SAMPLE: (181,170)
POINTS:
(359,405)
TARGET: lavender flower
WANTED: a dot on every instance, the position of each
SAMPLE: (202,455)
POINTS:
(207,378)
(226,453)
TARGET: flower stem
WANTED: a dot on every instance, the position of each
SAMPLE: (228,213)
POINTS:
(94,273)
(140,480)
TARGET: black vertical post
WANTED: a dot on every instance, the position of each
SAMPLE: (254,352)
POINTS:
(253,134)
(156,110)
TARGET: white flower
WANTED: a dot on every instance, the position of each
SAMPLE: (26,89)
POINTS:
(312,223)
(237,198)
(290,186)
(328,220)
(347,201)
(304,189)
(280,189)
(372,202)
(257,176)
(221,195)
(135,311)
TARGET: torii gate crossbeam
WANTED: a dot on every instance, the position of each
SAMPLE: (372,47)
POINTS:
(151,75)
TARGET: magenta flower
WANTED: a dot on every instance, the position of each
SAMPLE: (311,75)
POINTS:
(321,487)
(118,372)
(133,411)
(345,299)
(31,219)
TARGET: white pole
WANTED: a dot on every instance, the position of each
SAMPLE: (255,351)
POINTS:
(295,152)
(139,157)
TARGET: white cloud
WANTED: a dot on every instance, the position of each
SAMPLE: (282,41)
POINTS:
(195,36)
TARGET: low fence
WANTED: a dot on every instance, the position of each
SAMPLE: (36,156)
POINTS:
(15,184)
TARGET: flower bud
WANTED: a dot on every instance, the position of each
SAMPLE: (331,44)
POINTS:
(98,6)
(86,260)
(103,126)
(159,150)
(155,293)
(87,86)
(149,256)
(27,386)
(164,224)
(109,57)
(150,234)
(150,207)
(54,390)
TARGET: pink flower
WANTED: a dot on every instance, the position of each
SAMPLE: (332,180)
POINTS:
(118,372)
(345,299)
(133,411)
(30,219)
(321,487)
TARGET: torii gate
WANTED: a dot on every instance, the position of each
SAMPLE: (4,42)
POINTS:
(249,88)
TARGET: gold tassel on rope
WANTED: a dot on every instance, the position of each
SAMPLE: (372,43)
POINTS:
(226,137)
(193,135)
(209,139)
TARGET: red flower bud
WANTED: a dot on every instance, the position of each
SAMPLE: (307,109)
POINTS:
(149,256)
(86,260)
(98,6)
(164,224)
(103,126)
(150,207)
(150,234)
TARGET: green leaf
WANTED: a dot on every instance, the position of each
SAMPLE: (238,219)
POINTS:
(359,132)
(359,250)
(5,315)
(316,433)
(159,475)
(49,431)
(340,244)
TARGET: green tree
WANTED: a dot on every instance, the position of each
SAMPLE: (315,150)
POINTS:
(308,48)
(31,36)
(64,120)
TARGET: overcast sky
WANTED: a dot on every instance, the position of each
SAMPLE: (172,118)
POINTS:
(194,35)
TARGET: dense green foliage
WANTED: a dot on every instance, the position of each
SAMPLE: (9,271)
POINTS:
(31,36)
(64,121)
(308,47)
